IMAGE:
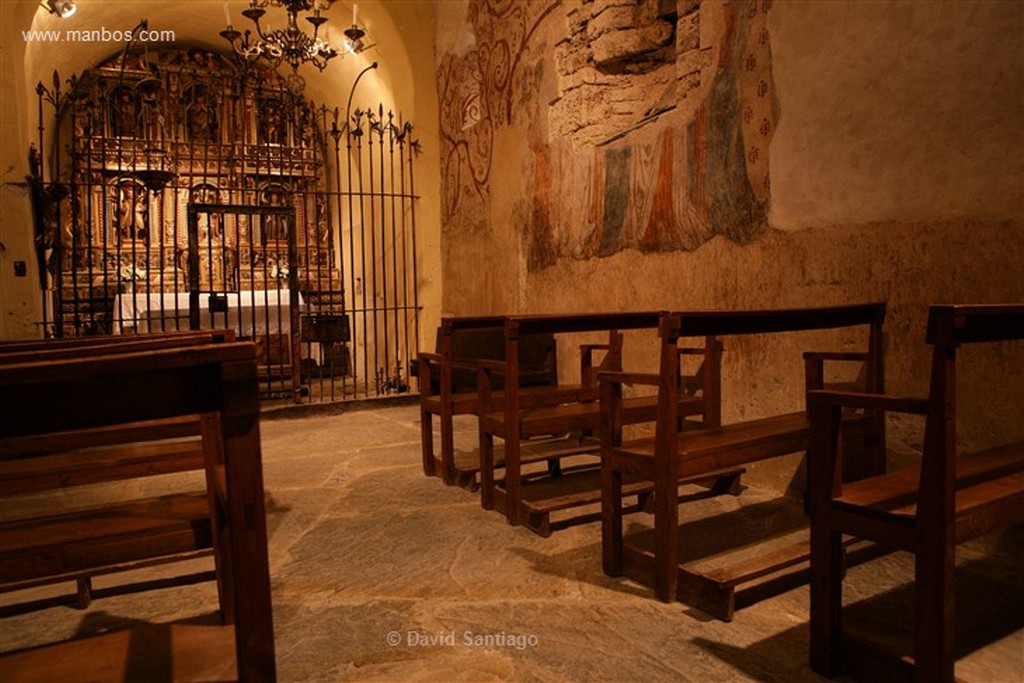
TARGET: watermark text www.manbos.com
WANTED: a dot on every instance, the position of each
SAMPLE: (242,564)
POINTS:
(501,639)
(98,35)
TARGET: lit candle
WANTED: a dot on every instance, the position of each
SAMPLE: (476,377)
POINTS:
(227,14)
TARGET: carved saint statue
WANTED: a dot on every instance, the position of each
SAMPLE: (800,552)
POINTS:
(271,129)
(131,212)
(201,119)
(275,227)
(212,228)
(122,112)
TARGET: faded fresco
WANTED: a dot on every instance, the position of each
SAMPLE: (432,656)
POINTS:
(645,125)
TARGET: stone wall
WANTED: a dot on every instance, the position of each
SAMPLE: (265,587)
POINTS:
(619,154)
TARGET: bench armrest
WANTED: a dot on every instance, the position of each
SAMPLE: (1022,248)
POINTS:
(836,355)
(852,399)
(484,369)
(824,410)
(472,365)
(424,361)
(490,365)
(647,378)
(814,367)
(587,371)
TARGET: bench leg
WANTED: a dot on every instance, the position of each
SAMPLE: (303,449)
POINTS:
(84,587)
(826,599)
(539,523)
(727,484)
(666,537)
(213,456)
(611,520)
(513,480)
(427,441)
(935,606)
(446,419)
(486,470)
(555,467)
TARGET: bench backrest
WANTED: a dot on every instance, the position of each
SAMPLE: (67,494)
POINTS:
(466,340)
(79,347)
(712,325)
(519,329)
(555,323)
(114,388)
(724,323)
(53,349)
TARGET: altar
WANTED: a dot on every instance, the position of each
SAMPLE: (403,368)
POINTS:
(252,313)
(261,315)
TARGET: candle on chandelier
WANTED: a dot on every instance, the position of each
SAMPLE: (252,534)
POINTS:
(227,14)
(355,10)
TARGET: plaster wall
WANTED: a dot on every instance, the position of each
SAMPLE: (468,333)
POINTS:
(895,173)
(897,111)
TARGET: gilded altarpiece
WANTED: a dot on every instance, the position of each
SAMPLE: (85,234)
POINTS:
(288,249)
(149,137)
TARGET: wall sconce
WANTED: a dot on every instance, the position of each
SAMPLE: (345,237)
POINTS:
(62,8)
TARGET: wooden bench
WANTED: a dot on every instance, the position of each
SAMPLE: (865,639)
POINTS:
(174,445)
(925,509)
(567,409)
(675,456)
(447,384)
(115,394)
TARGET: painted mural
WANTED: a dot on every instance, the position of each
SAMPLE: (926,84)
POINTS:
(645,126)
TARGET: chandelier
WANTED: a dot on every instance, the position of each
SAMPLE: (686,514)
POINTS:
(291,44)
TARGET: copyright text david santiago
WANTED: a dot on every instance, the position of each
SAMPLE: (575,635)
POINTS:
(516,641)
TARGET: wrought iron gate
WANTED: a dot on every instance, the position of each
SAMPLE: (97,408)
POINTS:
(184,192)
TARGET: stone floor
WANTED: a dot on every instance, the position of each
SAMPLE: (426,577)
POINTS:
(381,574)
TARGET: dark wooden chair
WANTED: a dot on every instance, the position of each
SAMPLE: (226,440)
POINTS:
(448,385)
(947,498)
(677,455)
(107,394)
(567,409)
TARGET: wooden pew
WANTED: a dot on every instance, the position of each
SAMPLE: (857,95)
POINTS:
(447,384)
(103,391)
(56,462)
(674,456)
(570,409)
(948,497)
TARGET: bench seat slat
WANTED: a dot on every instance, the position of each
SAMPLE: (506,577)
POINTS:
(108,435)
(710,448)
(989,492)
(114,533)
(466,403)
(581,416)
(98,465)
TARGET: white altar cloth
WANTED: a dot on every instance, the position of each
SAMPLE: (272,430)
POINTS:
(249,313)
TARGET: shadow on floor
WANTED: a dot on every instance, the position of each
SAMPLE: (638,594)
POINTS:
(990,608)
